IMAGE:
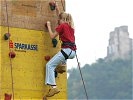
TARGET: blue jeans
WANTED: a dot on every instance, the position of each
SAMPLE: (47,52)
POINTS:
(55,61)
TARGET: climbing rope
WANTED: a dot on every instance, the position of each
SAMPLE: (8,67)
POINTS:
(9,48)
(81,76)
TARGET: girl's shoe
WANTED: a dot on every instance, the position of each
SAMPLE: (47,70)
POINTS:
(52,92)
(61,68)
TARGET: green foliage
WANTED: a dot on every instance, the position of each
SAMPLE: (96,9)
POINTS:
(103,80)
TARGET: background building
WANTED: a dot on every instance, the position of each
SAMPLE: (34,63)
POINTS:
(120,45)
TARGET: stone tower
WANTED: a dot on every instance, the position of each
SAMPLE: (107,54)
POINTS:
(119,43)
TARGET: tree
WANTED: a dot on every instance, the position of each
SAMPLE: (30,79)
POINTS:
(103,80)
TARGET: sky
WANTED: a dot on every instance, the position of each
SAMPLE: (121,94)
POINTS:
(94,20)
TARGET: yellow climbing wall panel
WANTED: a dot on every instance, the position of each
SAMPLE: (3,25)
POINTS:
(27,79)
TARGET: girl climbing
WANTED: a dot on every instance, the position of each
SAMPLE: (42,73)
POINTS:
(65,31)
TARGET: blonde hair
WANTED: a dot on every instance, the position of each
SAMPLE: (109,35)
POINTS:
(66,17)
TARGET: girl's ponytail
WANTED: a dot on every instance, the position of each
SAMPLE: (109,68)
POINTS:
(70,20)
(66,17)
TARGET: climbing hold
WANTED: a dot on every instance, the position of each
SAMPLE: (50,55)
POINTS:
(46,27)
(10,44)
(8,96)
(12,54)
(54,41)
(47,58)
(6,36)
(52,5)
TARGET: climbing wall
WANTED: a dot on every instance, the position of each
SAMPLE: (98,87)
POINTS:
(22,55)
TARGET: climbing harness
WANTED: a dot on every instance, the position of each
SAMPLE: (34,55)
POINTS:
(67,44)
(81,76)
(9,49)
(65,55)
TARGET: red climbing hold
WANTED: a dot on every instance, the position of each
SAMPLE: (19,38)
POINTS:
(47,58)
(8,96)
(10,44)
(12,54)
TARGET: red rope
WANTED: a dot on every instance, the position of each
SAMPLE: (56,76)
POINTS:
(9,48)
